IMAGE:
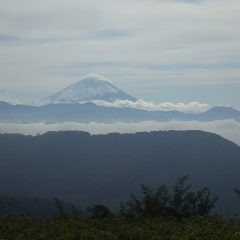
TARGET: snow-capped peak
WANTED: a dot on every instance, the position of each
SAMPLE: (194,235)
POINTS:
(89,88)
(95,77)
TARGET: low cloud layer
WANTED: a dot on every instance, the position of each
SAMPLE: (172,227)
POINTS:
(192,107)
(228,129)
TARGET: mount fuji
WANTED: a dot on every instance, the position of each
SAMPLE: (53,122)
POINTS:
(89,88)
(81,102)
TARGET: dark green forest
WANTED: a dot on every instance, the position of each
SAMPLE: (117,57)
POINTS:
(117,228)
(89,179)
(160,213)
(89,169)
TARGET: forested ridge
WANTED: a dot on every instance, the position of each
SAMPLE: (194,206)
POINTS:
(89,169)
(91,178)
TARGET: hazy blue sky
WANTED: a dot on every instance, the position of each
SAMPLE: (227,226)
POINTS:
(158,50)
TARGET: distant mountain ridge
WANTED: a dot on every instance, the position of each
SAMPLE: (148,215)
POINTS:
(90,112)
(220,113)
(80,102)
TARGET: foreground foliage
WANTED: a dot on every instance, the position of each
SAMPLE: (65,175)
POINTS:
(156,214)
(116,228)
(178,203)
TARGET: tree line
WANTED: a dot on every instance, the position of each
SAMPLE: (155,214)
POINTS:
(176,203)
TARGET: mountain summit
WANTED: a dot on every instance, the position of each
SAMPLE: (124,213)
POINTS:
(89,88)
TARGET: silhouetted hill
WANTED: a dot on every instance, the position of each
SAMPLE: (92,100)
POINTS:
(85,169)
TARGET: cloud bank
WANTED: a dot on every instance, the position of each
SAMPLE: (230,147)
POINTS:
(228,129)
(192,107)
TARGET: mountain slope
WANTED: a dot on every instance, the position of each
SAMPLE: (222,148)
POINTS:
(85,169)
(220,113)
(91,87)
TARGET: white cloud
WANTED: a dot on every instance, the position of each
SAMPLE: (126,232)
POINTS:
(192,107)
(6,96)
(228,129)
